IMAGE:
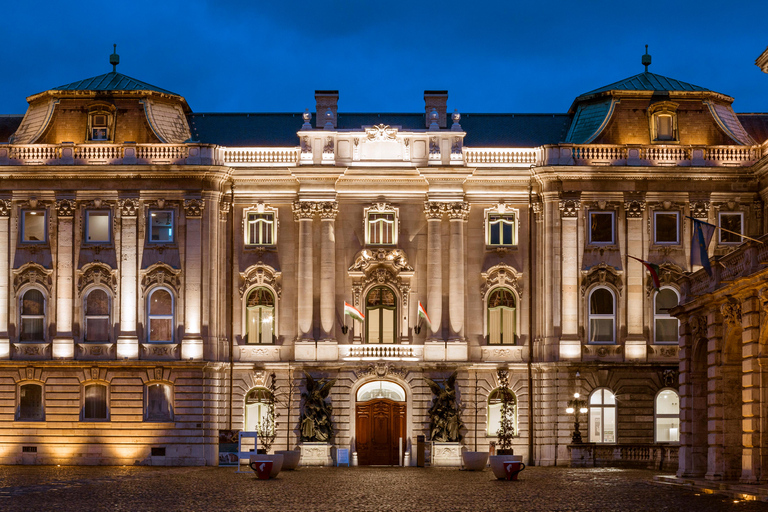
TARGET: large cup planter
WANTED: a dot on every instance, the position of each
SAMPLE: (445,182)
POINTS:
(474,461)
(497,464)
(291,459)
(277,462)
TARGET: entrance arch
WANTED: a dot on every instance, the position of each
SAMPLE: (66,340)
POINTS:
(380,422)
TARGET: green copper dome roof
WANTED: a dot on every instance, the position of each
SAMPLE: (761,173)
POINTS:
(648,82)
(111,82)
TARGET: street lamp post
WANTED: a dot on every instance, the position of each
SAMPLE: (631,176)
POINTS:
(576,406)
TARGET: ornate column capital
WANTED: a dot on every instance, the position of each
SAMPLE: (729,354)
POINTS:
(731,312)
(569,208)
(224,207)
(194,207)
(458,210)
(328,210)
(129,206)
(699,209)
(434,210)
(5,207)
(65,207)
(303,210)
(634,208)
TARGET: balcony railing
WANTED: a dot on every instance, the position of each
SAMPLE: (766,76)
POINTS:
(109,154)
(260,156)
(650,456)
(743,261)
(381,351)
(480,157)
(651,155)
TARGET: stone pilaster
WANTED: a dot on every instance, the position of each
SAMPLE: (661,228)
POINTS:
(128,340)
(457,213)
(328,212)
(434,212)
(63,346)
(634,209)
(569,215)
(192,343)
(5,217)
(304,213)
(751,390)
(715,405)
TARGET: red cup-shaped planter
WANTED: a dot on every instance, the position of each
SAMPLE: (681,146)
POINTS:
(512,469)
(262,468)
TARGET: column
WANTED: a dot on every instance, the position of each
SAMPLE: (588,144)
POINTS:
(570,343)
(715,405)
(192,343)
(636,344)
(5,217)
(127,340)
(434,212)
(751,467)
(328,212)
(303,213)
(63,342)
(457,213)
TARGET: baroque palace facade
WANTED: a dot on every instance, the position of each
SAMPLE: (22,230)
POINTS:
(159,266)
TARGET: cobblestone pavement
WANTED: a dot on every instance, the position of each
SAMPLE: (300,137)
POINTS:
(61,489)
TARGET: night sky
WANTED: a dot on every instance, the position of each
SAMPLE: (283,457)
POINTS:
(270,56)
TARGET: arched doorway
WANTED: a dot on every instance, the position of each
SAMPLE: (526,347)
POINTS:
(380,423)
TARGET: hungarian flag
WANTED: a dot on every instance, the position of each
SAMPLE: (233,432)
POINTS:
(653,269)
(423,314)
(702,235)
(352,311)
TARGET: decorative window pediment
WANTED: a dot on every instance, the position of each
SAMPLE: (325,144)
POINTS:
(502,275)
(97,274)
(601,274)
(32,273)
(395,258)
(161,274)
(261,275)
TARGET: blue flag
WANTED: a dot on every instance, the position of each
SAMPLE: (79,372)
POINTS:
(702,235)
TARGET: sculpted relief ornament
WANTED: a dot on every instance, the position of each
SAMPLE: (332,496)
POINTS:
(161,274)
(502,275)
(32,273)
(381,132)
(458,210)
(98,274)
(5,207)
(128,206)
(194,207)
(260,275)
(731,313)
(569,208)
(601,274)
(634,208)
(65,207)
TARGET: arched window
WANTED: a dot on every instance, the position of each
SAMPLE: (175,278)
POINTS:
(32,316)
(380,389)
(96,310)
(158,404)
(160,315)
(260,315)
(95,403)
(30,403)
(602,316)
(602,416)
(494,411)
(381,315)
(666,327)
(502,317)
(667,416)
(257,407)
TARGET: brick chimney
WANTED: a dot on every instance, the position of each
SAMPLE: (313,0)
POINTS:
(437,100)
(324,101)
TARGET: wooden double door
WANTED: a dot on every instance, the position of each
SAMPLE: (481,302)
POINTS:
(379,425)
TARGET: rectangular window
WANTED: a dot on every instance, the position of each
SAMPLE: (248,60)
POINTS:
(33,226)
(734,224)
(665,227)
(501,229)
(161,226)
(31,402)
(97,226)
(381,228)
(601,227)
(95,407)
(260,229)
(664,127)
(99,127)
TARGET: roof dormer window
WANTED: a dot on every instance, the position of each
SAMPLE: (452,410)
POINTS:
(101,122)
(99,129)
(663,122)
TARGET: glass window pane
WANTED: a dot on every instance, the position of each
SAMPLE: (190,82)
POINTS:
(664,127)
(95,402)
(160,329)
(267,321)
(494,325)
(31,402)
(601,302)
(601,330)
(596,397)
(97,303)
(158,403)
(666,299)
(32,329)
(34,226)
(388,325)
(608,398)
(97,226)
(666,228)
(731,222)
(96,329)
(601,227)
(595,425)
(161,226)
(667,330)
(609,425)
(161,303)
(380,389)
(667,430)
(33,303)
(667,402)
(373,325)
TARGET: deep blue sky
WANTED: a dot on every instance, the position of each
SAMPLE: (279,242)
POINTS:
(270,56)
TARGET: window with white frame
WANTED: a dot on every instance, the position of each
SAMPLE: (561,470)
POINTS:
(257,407)
(666,227)
(665,326)
(381,227)
(381,315)
(96,312)
(161,226)
(494,411)
(663,122)
(667,412)
(260,228)
(502,316)
(158,403)
(97,226)
(501,229)
(32,316)
(260,315)
(160,317)
(99,126)
(33,223)
(732,224)
(95,402)
(602,416)
(30,403)
(665,128)
(601,227)
(602,316)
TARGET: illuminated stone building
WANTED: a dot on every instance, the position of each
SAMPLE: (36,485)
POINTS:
(160,265)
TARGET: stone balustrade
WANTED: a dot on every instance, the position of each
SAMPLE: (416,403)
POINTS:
(128,153)
(372,352)
(491,157)
(647,456)
(260,156)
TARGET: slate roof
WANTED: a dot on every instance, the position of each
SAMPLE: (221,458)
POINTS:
(483,130)
(756,126)
(8,126)
(647,82)
(589,118)
(111,82)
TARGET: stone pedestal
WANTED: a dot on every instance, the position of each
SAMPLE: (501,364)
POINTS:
(446,454)
(327,351)
(434,351)
(316,454)
(305,350)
